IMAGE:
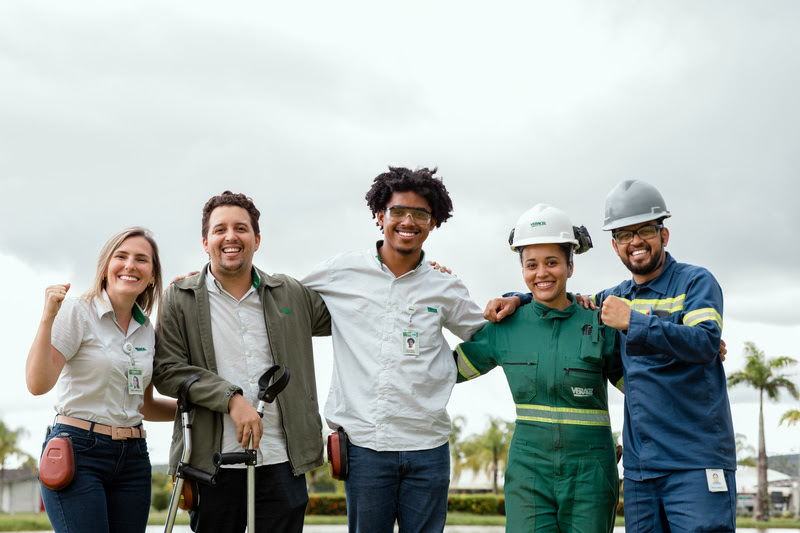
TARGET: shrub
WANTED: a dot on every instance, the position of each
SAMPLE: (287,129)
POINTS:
(481,504)
(327,504)
(159,499)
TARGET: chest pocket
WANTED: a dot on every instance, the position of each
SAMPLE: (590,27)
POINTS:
(583,383)
(427,321)
(521,370)
(592,340)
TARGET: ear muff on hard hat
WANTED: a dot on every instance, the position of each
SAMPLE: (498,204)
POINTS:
(545,224)
(633,202)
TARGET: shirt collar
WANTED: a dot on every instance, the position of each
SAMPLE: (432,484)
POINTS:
(215,286)
(378,255)
(102,306)
(550,313)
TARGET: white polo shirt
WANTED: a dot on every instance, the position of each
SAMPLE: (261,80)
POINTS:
(243,354)
(387,393)
(94,382)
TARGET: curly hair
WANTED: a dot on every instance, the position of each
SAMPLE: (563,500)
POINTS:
(237,200)
(420,181)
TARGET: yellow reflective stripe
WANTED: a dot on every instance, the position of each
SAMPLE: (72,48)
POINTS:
(620,385)
(643,305)
(563,415)
(465,368)
(699,315)
(570,422)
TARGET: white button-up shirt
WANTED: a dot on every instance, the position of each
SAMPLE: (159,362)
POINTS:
(241,348)
(93,384)
(385,398)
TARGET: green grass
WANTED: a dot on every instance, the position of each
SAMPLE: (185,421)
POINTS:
(774,523)
(34,522)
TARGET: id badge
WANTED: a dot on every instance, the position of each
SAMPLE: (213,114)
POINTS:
(716,480)
(135,382)
(410,342)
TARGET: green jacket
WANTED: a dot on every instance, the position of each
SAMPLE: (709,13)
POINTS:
(184,346)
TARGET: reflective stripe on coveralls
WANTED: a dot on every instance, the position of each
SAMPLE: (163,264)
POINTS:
(563,415)
(672,305)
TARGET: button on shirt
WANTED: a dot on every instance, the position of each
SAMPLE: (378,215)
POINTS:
(241,348)
(93,384)
(385,399)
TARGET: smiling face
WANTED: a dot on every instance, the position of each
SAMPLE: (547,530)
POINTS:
(231,242)
(545,271)
(130,269)
(405,236)
(643,257)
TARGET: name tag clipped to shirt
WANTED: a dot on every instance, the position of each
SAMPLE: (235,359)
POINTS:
(135,384)
(410,336)
(410,342)
(716,480)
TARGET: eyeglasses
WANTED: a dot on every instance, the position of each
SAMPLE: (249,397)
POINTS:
(645,232)
(400,212)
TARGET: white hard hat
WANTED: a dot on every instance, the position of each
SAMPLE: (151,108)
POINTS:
(633,202)
(543,224)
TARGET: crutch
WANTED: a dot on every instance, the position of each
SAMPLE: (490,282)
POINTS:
(266,394)
(185,472)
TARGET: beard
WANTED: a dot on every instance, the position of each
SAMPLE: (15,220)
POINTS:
(648,268)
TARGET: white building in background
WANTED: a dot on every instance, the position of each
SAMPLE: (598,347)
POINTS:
(777,483)
(20,491)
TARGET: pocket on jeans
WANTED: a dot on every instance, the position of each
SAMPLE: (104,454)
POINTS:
(82,441)
(141,448)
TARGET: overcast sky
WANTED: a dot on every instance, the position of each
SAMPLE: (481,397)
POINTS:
(135,113)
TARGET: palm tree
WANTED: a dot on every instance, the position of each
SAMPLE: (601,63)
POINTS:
(791,418)
(9,448)
(456,447)
(763,374)
(489,451)
(742,448)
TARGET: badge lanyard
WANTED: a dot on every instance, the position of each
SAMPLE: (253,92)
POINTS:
(135,378)
(410,336)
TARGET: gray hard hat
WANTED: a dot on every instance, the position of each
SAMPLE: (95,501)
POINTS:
(633,202)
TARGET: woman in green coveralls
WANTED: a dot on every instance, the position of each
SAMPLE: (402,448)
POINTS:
(561,473)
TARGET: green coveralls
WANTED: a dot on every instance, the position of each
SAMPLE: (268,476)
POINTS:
(561,473)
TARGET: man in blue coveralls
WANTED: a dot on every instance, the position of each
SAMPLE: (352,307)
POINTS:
(678,434)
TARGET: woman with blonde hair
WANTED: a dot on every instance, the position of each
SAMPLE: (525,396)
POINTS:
(97,348)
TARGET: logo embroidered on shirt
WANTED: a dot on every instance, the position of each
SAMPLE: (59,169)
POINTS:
(287,311)
(581,392)
(433,310)
(141,349)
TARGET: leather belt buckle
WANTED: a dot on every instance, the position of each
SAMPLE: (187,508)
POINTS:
(121,433)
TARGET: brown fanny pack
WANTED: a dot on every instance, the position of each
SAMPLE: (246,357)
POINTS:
(337,454)
(57,467)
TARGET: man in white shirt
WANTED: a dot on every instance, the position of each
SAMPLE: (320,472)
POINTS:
(229,324)
(393,370)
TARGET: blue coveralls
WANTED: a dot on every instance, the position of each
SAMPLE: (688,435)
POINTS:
(677,413)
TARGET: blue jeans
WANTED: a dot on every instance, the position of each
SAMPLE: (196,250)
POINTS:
(110,492)
(679,501)
(410,487)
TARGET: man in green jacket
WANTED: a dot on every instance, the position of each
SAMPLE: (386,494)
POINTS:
(229,324)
